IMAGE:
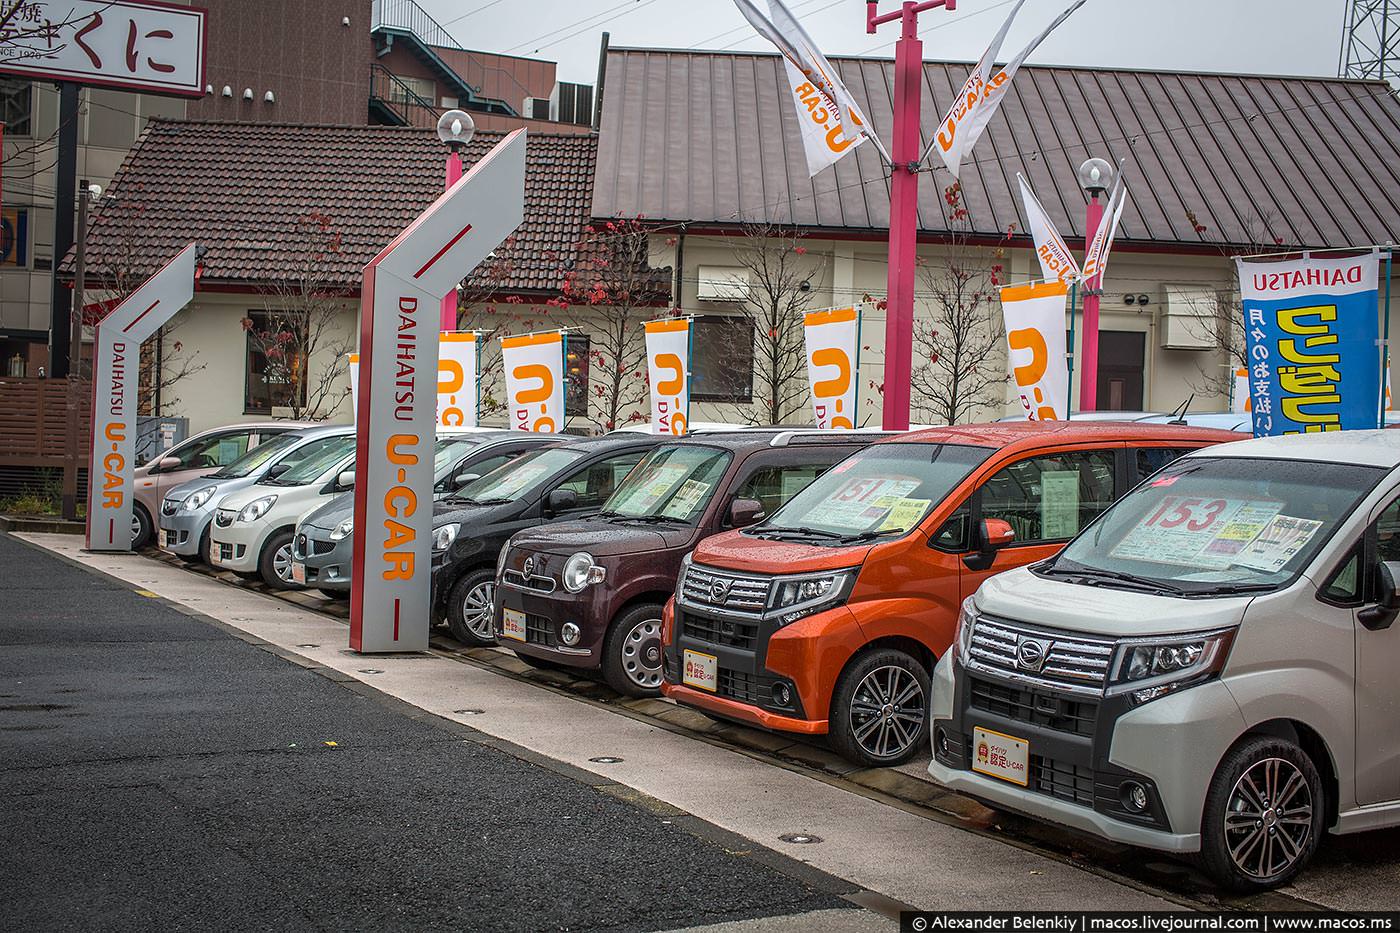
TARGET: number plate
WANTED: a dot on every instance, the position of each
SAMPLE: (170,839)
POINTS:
(700,670)
(298,573)
(163,538)
(1001,756)
(513,624)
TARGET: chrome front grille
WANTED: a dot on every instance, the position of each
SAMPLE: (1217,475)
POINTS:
(722,590)
(1055,657)
(224,517)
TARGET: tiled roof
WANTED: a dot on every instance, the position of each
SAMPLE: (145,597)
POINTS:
(711,137)
(240,189)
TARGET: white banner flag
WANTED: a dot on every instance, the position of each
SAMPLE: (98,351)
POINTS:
(457,381)
(1096,257)
(833,366)
(352,368)
(1239,395)
(1056,260)
(534,366)
(832,124)
(1035,337)
(668,374)
(983,92)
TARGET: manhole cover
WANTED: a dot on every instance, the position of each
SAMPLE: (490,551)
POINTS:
(308,646)
(800,839)
(468,712)
(370,670)
(606,760)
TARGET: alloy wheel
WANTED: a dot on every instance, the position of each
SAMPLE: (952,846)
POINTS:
(887,712)
(1269,818)
(641,654)
(476,609)
(282,562)
(135,525)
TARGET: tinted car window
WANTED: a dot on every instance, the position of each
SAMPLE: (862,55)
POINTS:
(211,452)
(773,486)
(1151,459)
(595,483)
(1050,498)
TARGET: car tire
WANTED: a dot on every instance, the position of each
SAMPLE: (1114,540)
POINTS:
(1263,815)
(275,562)
(632,652)
(141,529)
(469,615)
(879,711)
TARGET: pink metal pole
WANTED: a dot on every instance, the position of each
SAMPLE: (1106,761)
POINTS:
(1089,351)
(448,317)
(904,206)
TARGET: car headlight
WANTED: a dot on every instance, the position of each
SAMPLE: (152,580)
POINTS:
(501,561)
(680,577)
(444,535)
(809,593)
(962,639)
(343,529)
(580,571)
(256,509)
(197,498)
(1151,668)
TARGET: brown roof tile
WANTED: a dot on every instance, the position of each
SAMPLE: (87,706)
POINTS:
(710,137)
(240,188)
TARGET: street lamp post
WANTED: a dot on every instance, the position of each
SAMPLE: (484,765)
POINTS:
(455,128)
(904,204)
(1095,177)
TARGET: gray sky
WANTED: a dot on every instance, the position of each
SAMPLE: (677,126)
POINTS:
(1263,36)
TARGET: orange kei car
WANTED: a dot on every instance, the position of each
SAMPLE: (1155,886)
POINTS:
(828,616)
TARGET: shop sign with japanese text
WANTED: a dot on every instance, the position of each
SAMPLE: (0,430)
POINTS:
(1311,329)
(132,45)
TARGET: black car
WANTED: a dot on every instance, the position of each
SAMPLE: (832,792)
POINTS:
(588,594)
(551,484)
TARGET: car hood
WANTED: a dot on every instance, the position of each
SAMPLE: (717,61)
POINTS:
(332,513)
(307,495)
(475,516)
(1021,596)
(195,485)
(735,550)
(601,538)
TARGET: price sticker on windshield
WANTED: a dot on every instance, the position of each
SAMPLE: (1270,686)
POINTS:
(1197,531)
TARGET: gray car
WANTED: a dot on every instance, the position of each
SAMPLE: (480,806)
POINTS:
(323,547)
(187,510)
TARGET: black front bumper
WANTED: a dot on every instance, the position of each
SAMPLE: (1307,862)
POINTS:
(740,646)
(1069,738)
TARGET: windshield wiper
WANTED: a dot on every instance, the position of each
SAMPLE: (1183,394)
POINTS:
(871,535)
(801,531)
(1088,575)
(1232,589)
(668,519)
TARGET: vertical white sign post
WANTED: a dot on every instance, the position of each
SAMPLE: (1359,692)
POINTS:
(116,368)
(396,421)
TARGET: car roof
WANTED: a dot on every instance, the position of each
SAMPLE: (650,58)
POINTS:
(325,430)
(759,438)
(1362,448)
(605,442)
(1033,434)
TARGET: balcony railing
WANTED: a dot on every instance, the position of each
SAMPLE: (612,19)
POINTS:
(399,101)
(408,16)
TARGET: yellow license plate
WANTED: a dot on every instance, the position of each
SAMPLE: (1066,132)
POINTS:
(1001,756)
(513,624)
(700,670)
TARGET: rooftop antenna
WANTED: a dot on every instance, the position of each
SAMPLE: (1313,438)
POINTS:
(1179,416)
(1371,40)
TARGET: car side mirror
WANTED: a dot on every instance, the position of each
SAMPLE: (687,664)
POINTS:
(466,478)
(744,512)
(346,479)
(276,470)
(560,500)
(997,533)
(1387,607)
(167,464)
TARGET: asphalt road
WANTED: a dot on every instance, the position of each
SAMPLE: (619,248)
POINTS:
(157,771)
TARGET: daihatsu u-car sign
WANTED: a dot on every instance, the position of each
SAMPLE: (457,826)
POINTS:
(116,367)
(399,318)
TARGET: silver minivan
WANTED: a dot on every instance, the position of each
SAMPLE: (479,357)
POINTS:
(1208,669)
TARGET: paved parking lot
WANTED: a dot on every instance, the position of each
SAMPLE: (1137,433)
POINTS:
(161,772)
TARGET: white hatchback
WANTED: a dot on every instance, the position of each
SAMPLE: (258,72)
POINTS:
(1207,669)
(252,529)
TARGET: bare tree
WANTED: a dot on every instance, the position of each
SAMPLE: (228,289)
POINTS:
(960,356)
(609,294)
(303,323)
(780,286)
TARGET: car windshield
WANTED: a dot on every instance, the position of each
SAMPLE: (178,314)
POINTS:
(320,457)
(263,453)
(513,480)
(1216,526)
(673,483)
(449,451)
(884,490)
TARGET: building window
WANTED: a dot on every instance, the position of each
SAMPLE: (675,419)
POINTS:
(14,237)
(17,106)
(408,90)
(275,369)
(721,359)
(576,375)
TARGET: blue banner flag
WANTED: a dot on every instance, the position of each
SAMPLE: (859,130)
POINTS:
(1311,338)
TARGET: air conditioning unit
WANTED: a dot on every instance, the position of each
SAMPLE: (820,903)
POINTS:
(537,108)
(573,103)
(723,283)
(1190,317)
